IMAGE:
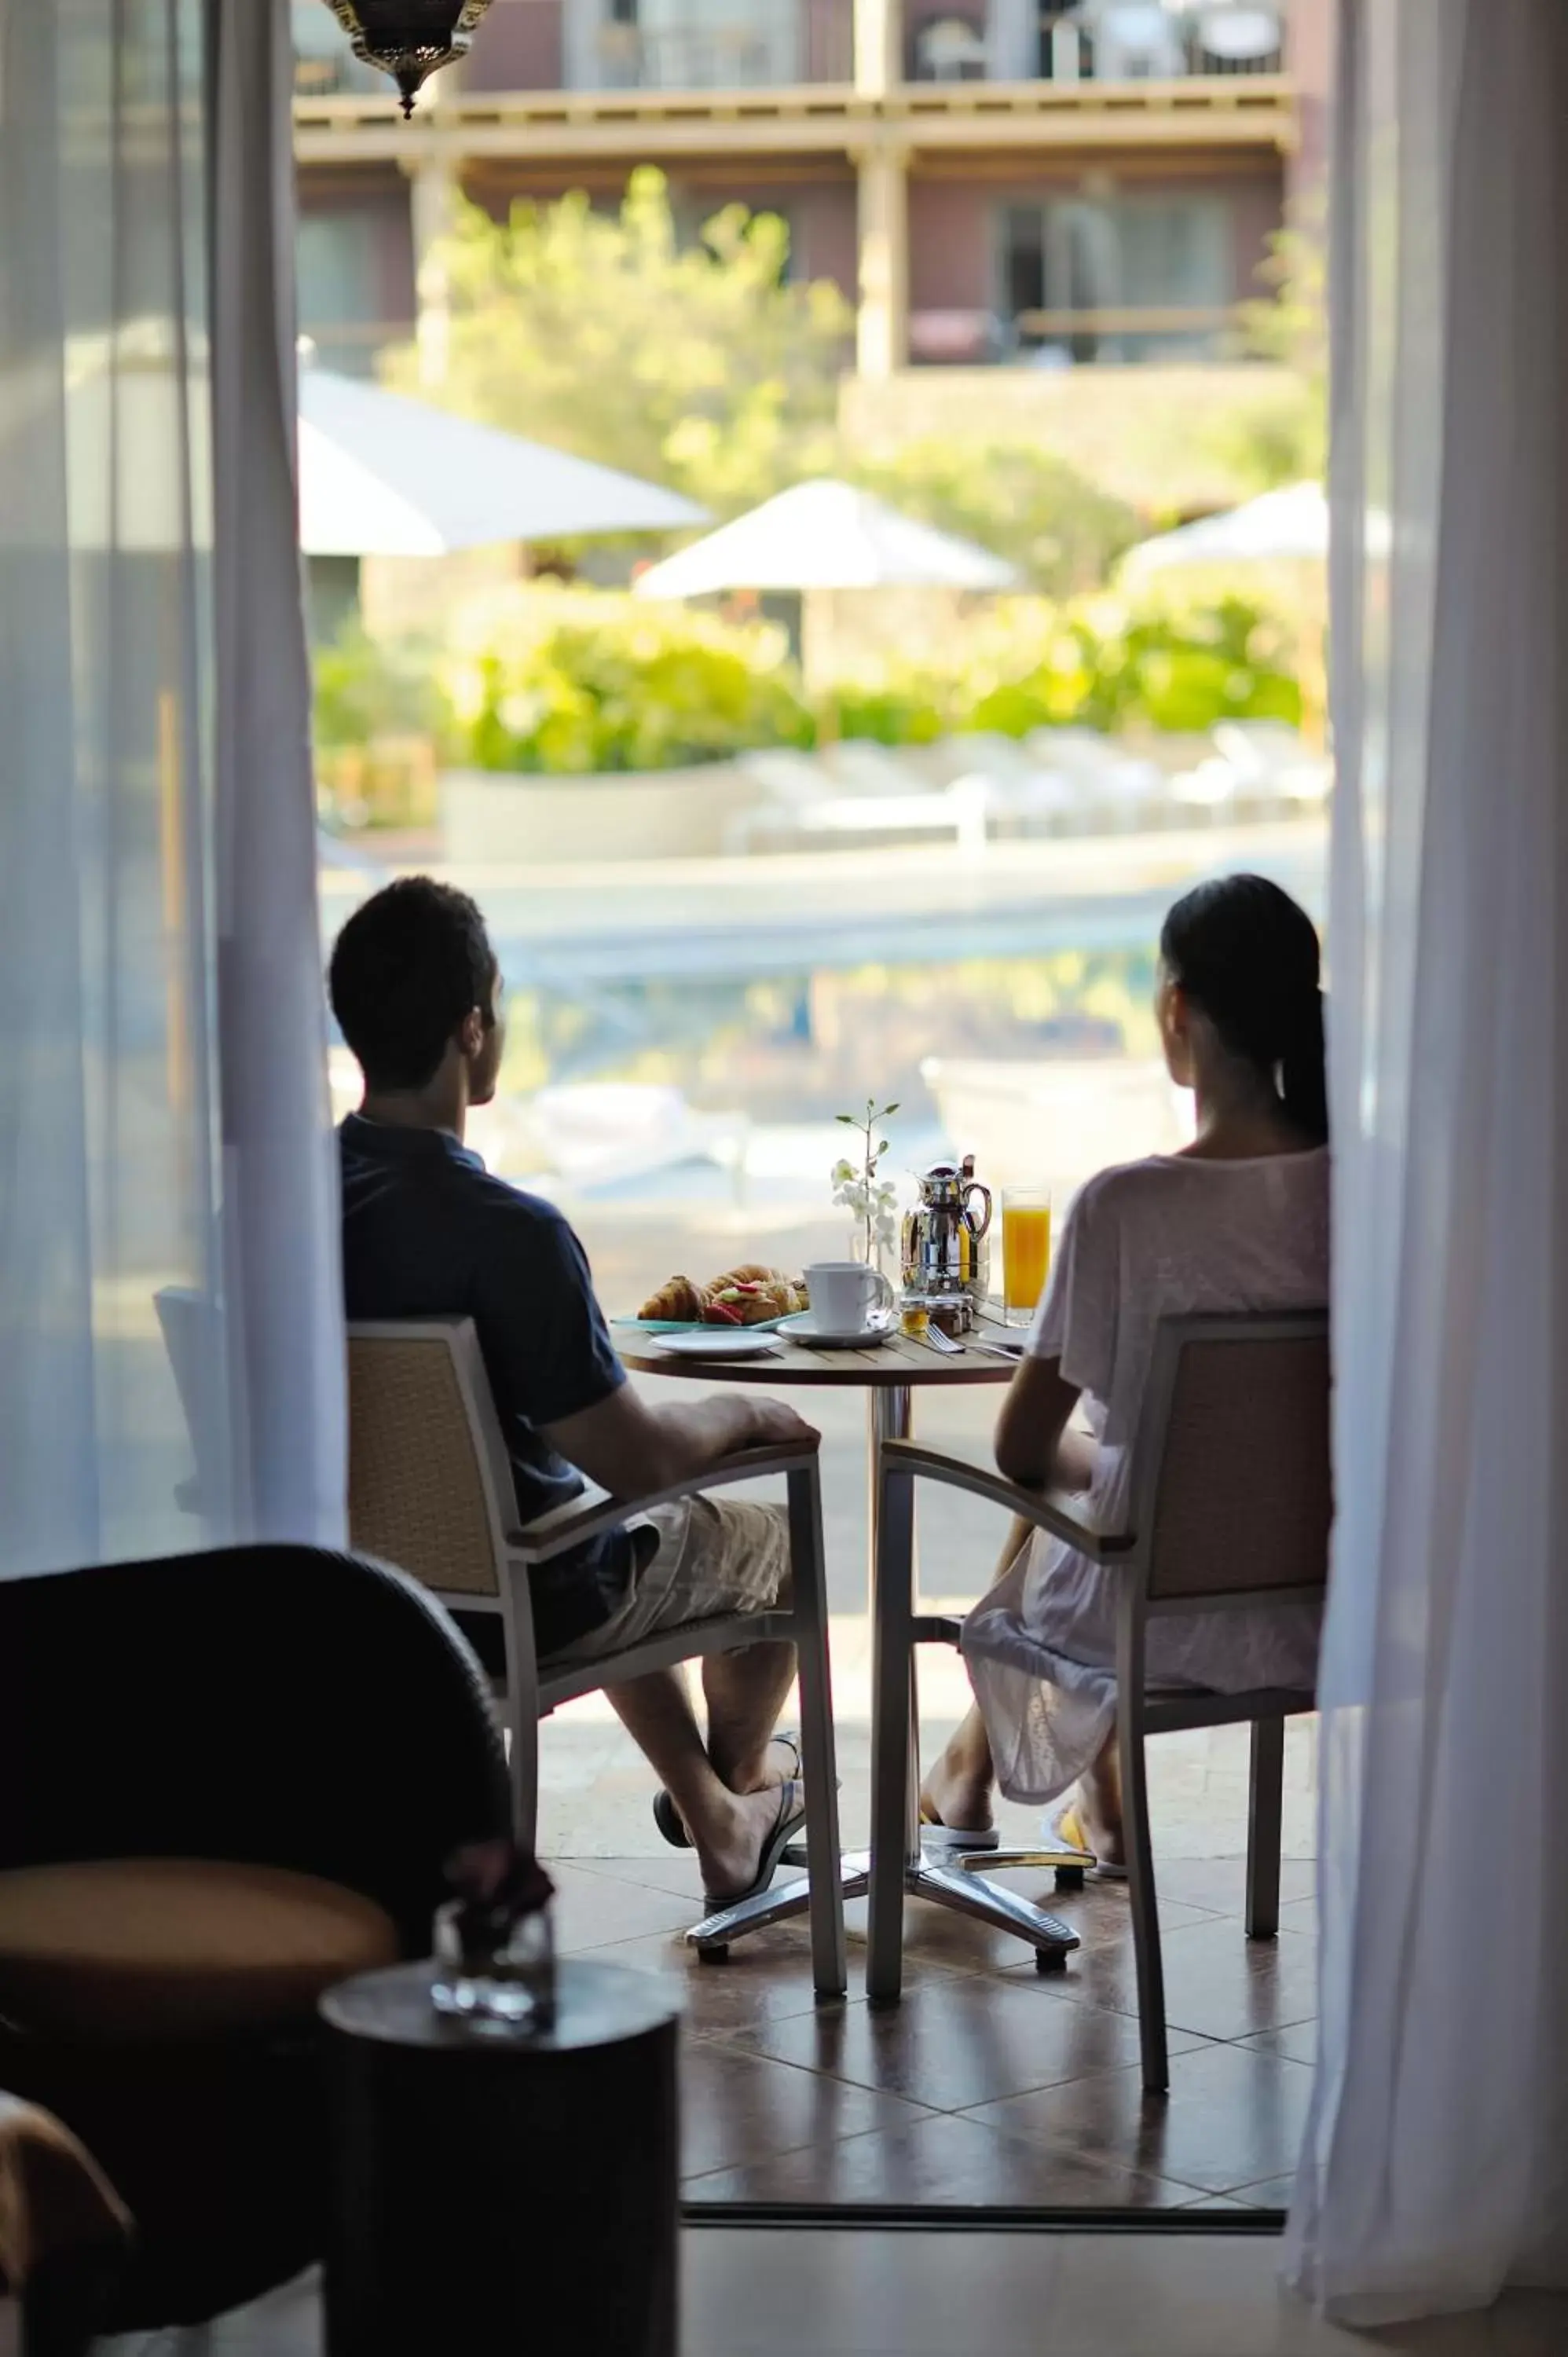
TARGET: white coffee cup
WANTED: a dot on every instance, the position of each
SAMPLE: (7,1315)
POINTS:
(844,1294)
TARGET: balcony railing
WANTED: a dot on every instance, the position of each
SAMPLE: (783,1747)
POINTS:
(1094,40)
(768,44)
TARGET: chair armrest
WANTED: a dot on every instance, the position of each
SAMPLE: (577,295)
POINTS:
(572,1525)
(1052,1511)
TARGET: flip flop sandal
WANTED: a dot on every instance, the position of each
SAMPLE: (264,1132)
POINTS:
(667,1816)
(791,1818)
(1066,1829)
(952,1841)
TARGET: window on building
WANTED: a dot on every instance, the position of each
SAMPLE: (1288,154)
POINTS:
(1120,277)
(324,64)
(338,261)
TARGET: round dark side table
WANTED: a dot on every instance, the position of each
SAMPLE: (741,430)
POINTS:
(498,2191)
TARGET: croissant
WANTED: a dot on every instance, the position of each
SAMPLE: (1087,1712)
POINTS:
(677,1300)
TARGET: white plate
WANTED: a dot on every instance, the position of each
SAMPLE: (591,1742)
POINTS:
(803,1328)
(719,1343)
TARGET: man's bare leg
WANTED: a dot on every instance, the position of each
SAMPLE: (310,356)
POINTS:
(728,1830)
(744,1692)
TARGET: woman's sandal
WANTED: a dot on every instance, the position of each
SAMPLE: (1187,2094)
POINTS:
(667,1816)
(786,1825)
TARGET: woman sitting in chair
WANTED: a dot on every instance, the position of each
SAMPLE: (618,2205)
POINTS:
(1237,1220)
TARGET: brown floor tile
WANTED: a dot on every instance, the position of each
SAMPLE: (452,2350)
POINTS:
(1218,1982)
(1298,2043)
(737,2109)
(936,1935)
(940,2160)
(675,1870)
(959,1943)
(1100,1913)
(956,2041)
(1232,2118)
(764,1979)
(1219,1884)
(591,1909)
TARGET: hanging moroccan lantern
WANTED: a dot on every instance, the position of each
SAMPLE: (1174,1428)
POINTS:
(409,38)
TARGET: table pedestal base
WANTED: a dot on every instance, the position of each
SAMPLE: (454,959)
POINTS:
(944,1883)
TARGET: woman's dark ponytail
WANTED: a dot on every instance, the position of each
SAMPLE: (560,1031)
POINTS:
(1247,956)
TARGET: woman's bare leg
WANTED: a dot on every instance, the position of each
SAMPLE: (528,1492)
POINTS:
(958,1789)
(1099,1804)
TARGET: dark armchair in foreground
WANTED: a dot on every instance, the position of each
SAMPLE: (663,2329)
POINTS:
(227,1780)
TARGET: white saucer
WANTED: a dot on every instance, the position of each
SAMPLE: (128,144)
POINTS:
(720,1343)
(803,1328)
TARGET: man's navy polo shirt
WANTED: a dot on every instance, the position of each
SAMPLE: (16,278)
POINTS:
(429,1232)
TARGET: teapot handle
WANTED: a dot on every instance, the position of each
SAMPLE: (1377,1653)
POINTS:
(977,1186)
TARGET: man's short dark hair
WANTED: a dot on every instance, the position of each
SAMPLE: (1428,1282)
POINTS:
(407,967)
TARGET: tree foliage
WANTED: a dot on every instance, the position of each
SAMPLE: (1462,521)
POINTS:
(1021,501)
(701,365)
(1284,440)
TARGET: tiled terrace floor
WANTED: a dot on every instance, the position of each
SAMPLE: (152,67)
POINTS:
(989,2084)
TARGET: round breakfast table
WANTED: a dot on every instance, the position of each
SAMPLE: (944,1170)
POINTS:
(889,1373)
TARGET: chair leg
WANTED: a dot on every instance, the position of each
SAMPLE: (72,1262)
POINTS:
(522,1713)
(1147,1956)
(892,1652)
(523,1746)
(1265,1810)
(819,1761)
(1130,1750)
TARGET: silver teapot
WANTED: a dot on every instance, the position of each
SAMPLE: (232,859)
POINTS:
(944,1243)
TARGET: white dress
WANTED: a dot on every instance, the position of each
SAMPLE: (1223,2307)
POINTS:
(1143,1241)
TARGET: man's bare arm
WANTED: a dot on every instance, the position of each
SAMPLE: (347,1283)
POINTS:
(632,1450)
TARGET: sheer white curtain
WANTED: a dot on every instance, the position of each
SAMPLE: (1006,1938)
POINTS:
(163,1114)
(1436,2162)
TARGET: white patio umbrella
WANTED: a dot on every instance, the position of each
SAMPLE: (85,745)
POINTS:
(824,535)
(1284,527)
(383,476)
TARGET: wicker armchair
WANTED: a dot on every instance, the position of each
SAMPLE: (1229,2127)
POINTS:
(430,1488)
(1232,1509)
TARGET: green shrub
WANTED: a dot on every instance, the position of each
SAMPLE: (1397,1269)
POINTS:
(1024,664)
(903,711)
(578,681)
(367,688)
(1182,669)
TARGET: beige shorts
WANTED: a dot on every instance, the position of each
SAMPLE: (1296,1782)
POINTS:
(713,1556)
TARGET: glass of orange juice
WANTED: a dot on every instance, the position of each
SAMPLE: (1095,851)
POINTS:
(1025,1250)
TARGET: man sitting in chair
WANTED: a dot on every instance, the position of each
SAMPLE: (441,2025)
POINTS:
(427,1231)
